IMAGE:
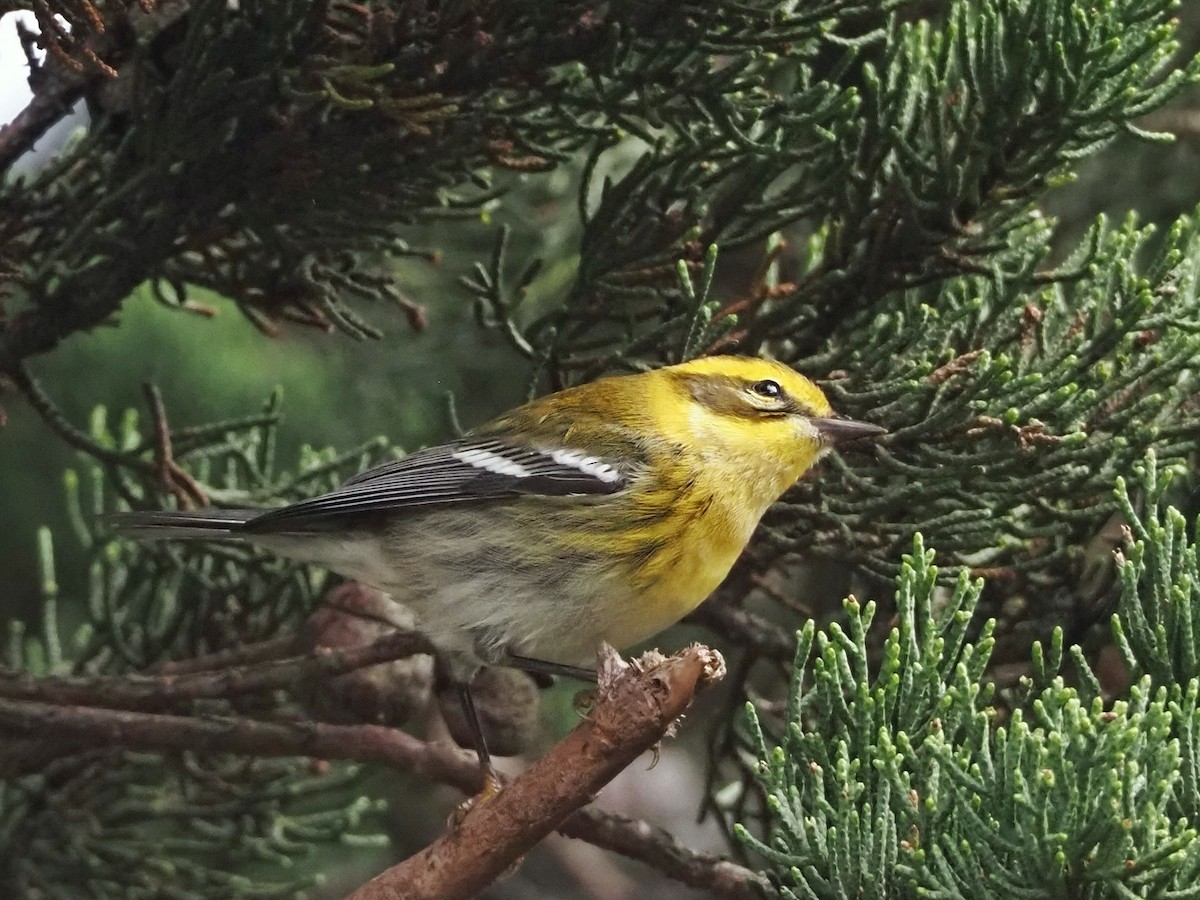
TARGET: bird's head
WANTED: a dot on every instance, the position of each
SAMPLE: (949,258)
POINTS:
(763,417)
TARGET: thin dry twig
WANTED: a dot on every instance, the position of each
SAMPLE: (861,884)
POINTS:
(766,637)
(150,692)
(259,652)
(29,387)
(661,850)
(172,477)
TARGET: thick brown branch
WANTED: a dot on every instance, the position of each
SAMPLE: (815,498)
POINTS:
(635,709)
(64,729)
(150,692)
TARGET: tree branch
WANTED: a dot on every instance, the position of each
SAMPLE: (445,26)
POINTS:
(661,850)
(151,692)
(80,726)
(69,728)
(635,708)
(49,104)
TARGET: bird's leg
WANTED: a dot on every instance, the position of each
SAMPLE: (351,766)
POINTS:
(545,667)
(491,778)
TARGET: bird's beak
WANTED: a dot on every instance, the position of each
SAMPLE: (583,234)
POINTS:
(841,431)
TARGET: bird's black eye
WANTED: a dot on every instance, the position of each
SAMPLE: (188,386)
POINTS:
(770,389)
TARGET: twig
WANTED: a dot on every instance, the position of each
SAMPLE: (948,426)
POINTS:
(68,728)
(635,708)
(661,850)
(170,476)
(767,638)
(58,423)
(46,108)
(787,601)
(173,478)
(258,652)
(150,692)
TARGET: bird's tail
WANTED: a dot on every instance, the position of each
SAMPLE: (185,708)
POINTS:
(210,524)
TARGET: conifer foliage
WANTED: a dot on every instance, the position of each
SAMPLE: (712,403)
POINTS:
(912,781)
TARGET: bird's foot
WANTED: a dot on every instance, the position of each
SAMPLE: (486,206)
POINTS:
(492,785)
(584,702)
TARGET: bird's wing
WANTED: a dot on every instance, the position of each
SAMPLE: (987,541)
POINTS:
(464,471)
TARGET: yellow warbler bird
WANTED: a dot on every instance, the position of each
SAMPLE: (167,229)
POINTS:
(604,512)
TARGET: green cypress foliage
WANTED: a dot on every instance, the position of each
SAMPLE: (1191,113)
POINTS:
(912,780)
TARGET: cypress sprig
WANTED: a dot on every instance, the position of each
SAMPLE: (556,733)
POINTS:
(905,780)
(1013,413)
(847,782)
(1156,624)
(901,780)
(114,825)
(1157,628)
(919,151)
(1061,803)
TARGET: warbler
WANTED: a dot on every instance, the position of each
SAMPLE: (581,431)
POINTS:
(603,512)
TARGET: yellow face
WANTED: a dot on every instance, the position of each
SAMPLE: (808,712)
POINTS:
(743,374)
(754,417)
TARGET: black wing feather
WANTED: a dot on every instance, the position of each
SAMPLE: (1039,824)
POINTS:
(464,471)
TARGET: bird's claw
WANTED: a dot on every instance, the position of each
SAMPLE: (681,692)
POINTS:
(584,702)
(492,785)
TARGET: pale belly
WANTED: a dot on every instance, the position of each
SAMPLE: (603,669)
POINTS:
(566,619)
(472,597)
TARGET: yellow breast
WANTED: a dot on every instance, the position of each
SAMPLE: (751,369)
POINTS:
(700,540)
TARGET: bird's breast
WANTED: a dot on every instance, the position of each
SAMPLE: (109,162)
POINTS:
(702,539)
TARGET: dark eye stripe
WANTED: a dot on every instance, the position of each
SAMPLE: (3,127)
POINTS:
(728,396)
